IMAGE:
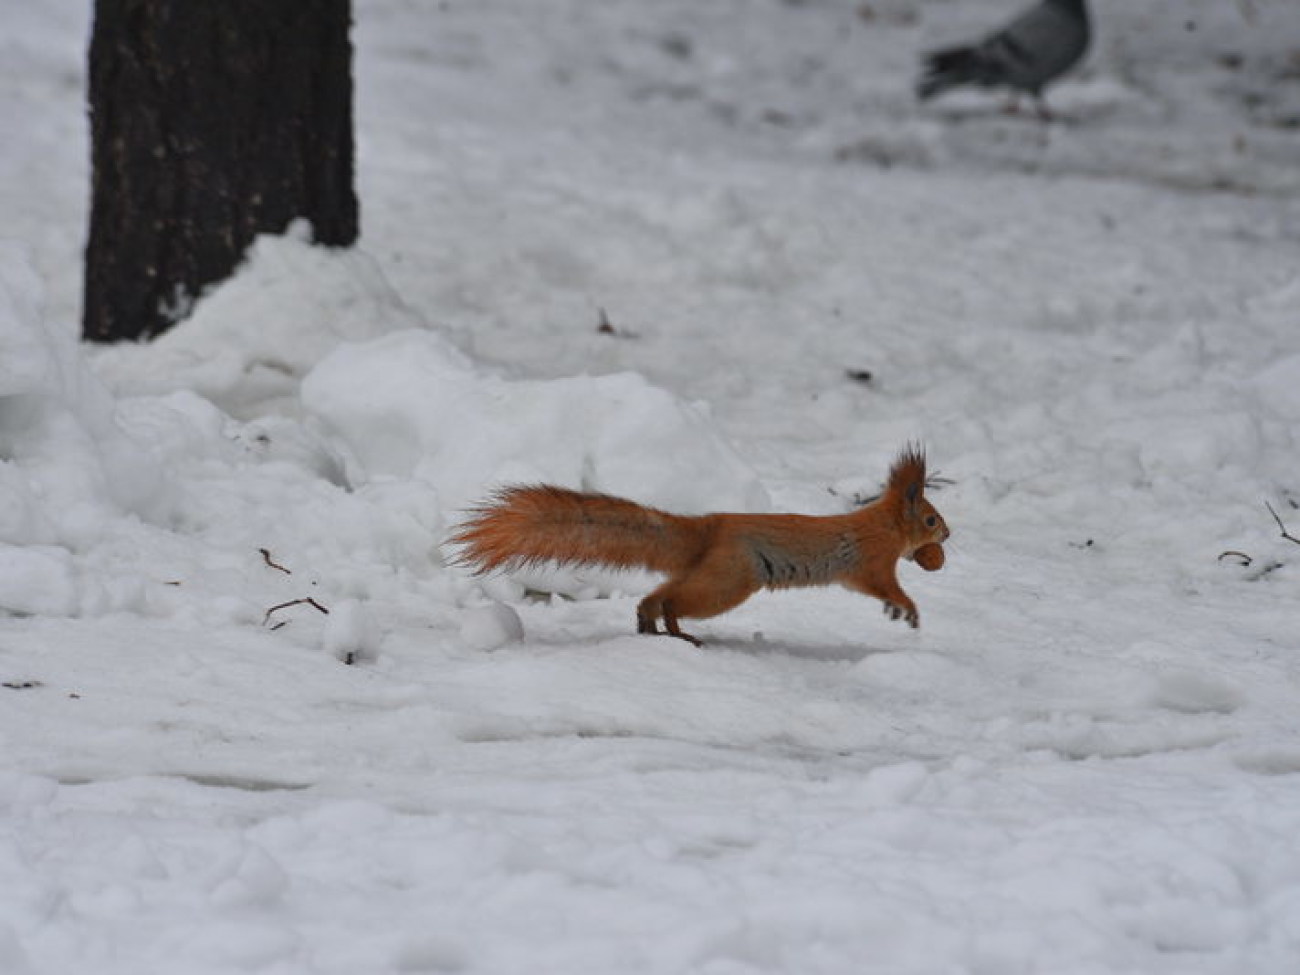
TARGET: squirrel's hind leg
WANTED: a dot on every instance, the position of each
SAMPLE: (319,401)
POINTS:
(670,624)
(704,592)
(648,614)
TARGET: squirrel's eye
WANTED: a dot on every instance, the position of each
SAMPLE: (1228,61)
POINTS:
(931,521)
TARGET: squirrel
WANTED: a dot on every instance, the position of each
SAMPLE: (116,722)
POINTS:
(714,562)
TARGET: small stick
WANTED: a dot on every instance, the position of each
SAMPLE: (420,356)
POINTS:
(604,326)
(1281,527)
(294,602)
(266,557)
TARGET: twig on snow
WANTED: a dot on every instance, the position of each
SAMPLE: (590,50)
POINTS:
(1281,527)
(1242,558)
(604,326)
(308,600)
(266,557)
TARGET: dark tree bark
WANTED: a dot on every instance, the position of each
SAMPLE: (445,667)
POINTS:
(212,121)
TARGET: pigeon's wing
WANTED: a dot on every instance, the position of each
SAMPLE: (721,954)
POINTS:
(1033,49)
(1038,46)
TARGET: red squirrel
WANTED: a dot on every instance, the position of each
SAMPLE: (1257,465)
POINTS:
(714,562)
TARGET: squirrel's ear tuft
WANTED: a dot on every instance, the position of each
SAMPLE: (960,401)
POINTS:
(907,476)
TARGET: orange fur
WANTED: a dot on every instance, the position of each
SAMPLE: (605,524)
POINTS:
(713,562)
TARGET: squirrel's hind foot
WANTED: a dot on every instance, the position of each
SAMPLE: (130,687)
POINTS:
(646,623)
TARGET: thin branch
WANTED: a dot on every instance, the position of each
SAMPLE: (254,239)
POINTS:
(604,326)
(1280,526)
(294,602)
(1260,573)
(266,557)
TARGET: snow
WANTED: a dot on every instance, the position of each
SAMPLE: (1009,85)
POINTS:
(1085,761)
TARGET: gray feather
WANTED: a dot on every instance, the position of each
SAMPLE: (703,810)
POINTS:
(1027,55)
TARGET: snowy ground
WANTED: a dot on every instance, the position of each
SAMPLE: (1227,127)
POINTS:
(1088,758)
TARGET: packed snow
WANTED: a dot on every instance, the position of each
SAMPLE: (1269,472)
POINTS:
(712,255)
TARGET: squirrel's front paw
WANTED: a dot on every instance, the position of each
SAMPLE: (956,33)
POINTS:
(896,611)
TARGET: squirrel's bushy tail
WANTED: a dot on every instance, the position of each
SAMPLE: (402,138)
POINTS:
(533,524)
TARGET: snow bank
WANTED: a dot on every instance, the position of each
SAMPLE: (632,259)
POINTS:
(406,408)
(252,337)
(67,467)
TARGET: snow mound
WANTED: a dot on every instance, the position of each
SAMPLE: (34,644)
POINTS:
(251,338)
(490,626)
(66,464)
(407,408)
(351,633)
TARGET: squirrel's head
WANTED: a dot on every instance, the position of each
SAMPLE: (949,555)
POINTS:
(921,522)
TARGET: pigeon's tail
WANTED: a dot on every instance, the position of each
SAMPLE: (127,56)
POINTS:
(956,66)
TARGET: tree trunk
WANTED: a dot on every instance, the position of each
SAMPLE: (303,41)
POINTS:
(212,121)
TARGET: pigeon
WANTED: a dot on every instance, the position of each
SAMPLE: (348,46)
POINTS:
(1026,55)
